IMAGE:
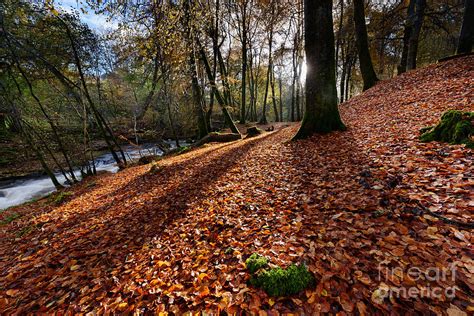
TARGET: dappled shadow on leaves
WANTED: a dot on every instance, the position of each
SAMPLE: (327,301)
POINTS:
(83,250)
(177,240)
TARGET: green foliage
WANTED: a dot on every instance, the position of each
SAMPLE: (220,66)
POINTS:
(10,218)
(283,282)
(455,127)
(59,198)
(278,281)
(256,262)
(183,149)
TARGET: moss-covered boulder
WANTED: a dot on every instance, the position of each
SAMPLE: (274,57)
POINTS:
(455,127)
(277,281)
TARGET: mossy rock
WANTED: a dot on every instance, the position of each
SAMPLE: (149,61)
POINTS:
(256,262)
(455,127)
(277,281)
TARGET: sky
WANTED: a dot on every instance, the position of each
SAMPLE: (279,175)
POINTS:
(98,22)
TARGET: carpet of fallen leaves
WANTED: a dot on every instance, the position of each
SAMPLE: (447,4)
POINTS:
(348,204)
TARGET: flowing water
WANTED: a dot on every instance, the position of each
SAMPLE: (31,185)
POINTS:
(19,191)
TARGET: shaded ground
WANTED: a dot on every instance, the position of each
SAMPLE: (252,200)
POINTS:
(347,204)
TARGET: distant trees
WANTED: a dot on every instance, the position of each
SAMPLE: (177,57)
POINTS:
(322,114)
(48,61)
(466,36)
(180,69)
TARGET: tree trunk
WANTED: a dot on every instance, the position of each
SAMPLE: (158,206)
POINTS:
(280,88)
(298,92)
(293,83)
(196,89)
(322,114)
(366,67)
(263,119)
(272,84)
(244,62)
(406,36)
(466,36)
(41,159)
(348,80)
(221,100)
(342,81)
(104,128)
(339,35)
(151,93)
(420,6)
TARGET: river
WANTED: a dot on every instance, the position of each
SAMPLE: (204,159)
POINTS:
(19,191)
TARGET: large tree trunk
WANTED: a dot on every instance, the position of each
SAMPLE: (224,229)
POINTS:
(406,36)
(420,6)
(466,36)
(366,67)
(322,114)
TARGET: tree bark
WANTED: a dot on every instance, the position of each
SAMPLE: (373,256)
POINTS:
(263,119)
(406,36)
(322,114)
(420,6)
(221,100)
(244,61)
(272,84)
(280,101)
(196,89)
(348,80)
(366,67)
(293,83)
(466,36)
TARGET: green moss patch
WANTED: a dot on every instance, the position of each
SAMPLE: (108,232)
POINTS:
(10,218)
(277,281)
(256,262)
(59,198)
(455,127)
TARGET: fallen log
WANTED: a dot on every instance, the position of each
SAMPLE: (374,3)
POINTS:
(215,137)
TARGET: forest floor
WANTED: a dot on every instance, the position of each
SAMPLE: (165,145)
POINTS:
(347,204)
